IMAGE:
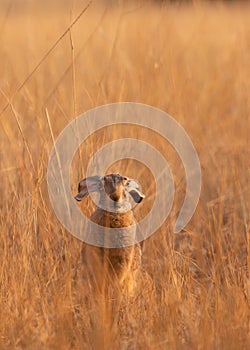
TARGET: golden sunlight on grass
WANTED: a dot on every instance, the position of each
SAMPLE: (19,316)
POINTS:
(190,60)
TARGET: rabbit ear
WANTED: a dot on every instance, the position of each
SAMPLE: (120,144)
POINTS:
(90,184)
(133,188)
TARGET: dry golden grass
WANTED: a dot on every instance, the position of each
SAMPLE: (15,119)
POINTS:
(191,61)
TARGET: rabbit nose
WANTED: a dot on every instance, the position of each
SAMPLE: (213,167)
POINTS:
(114,196)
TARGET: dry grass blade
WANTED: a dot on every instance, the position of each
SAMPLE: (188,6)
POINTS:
(190,60)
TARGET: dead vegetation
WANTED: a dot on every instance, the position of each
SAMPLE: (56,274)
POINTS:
(191,61)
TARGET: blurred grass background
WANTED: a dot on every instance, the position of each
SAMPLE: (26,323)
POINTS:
(190,59)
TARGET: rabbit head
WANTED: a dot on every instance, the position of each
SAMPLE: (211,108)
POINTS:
(116,187)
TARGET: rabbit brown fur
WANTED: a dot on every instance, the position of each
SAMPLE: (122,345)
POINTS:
(115,275)
(118,263)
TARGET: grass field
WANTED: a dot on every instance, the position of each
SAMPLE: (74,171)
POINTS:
(191,61)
